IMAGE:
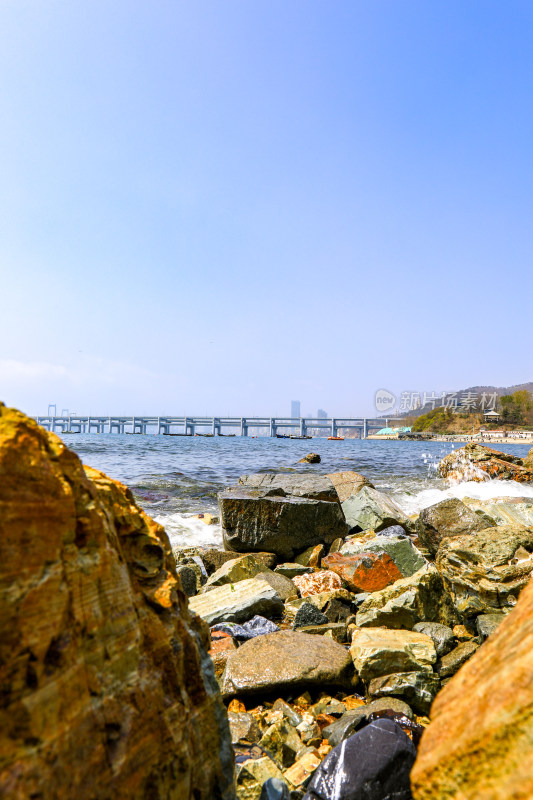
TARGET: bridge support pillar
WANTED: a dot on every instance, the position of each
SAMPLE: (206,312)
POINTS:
(365,428)
(334,429)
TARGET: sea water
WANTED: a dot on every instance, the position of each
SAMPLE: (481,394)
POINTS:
(175,478)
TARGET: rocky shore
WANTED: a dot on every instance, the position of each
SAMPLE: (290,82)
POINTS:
(336,649)
(336,620)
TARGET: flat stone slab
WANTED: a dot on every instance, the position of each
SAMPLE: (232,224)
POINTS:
(252,520)
(237,602)
(379,651)
(315,487)
(348,483)
(285,660)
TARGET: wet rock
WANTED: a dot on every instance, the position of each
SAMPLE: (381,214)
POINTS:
(308,614)
(317,583)
(285,588)
(348,483)
(314,487)
(370,509)
(408,601)
(479,742)
(486,571)
(252,520)
(487,624)
(253,774)
(310,458)
(453,661)
(448,518)
(373,764)
(504,510)
(107,688)
(292,569)
(275,789)
(243,727)
(388,703)
(379,651)
(475,462)
(400,549)
(418,689)
(364,571)
(284,661)
(443,637)
(187,576)
(238,569)
(257,626)
(311,556)
(237,602)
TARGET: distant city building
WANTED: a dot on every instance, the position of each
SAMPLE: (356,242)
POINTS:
(295,408)
(321,414)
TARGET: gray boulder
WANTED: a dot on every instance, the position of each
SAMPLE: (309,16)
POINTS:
(448,518)
(443,636)
(252,520)
(370,509)
(454,660)
(281,662)
(487,624)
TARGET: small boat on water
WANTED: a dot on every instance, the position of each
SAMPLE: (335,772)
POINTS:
(336,438)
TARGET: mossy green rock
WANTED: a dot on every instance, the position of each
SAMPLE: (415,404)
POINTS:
(238,569)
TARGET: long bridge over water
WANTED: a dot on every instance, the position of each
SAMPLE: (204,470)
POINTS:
(188,426)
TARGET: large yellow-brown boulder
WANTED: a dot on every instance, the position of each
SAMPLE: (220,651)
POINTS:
(106,688)
(479,744)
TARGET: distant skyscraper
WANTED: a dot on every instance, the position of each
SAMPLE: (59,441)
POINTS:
(295,408)
(321,414)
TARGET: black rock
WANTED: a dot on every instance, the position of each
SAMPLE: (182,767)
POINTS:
(337,611)
(257,626)
(308,614)
(188,580)
(373,764)
(274,789)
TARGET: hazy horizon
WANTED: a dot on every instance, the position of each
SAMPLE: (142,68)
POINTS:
(220,208)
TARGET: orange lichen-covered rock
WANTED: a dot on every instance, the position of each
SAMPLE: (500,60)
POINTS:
(479,743)
(364,572)
(317,582)
(106,687)
(475,462)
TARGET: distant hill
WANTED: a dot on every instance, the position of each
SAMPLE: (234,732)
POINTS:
(479,390)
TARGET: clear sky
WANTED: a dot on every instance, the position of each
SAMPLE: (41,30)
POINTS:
(218,207)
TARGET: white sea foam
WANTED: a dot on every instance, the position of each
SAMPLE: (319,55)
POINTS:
(485,490)
(186,530)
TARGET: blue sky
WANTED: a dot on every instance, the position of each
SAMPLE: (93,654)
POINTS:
(217,207)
